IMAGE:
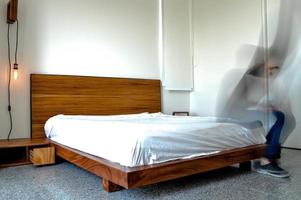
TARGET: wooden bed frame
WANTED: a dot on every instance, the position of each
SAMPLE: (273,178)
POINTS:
(59,94)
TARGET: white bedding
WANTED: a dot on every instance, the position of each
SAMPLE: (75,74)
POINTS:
(143,139)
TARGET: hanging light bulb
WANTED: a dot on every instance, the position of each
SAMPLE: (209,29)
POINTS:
(15,72)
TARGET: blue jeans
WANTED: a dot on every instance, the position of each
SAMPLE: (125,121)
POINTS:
(273,138)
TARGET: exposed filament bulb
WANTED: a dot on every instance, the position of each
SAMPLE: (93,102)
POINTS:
(15,72)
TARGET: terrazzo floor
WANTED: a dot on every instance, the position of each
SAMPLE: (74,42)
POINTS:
(66,181)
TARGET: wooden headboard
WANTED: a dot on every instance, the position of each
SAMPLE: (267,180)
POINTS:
(82,95)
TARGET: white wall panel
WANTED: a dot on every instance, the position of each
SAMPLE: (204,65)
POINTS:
(177,45)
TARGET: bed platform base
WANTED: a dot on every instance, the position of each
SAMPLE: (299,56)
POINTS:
(80,95)
(116,177)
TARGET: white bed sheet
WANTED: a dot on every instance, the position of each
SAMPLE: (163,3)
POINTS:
(143,139)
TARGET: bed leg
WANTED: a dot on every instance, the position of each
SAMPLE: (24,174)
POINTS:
(109,186)
(245,166)
(58,160)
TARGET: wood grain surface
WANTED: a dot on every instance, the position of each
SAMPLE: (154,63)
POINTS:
(42,156)
(184,167)
(132,177)
(81,95)
(23,143)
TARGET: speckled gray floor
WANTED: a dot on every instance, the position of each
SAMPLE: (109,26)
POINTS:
(65,181)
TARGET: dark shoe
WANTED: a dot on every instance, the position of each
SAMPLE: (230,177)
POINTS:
(272,169)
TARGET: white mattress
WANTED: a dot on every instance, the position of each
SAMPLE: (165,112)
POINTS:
(143,139)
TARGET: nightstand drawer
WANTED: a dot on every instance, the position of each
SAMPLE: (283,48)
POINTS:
(42,156)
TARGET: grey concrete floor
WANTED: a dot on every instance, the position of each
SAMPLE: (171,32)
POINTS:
(66,181)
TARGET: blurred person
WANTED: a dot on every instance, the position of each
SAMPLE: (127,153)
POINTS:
(271,105)
(249,101)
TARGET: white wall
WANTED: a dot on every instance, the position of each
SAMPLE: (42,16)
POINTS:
(220,30)
(175,101)
(116,38)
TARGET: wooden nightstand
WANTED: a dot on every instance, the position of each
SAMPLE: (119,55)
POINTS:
(26,151)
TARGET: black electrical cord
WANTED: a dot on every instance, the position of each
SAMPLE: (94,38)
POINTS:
(9,83)
(9,73)
(17,42)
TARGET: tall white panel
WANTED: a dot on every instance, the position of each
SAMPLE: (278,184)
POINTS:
(177,45)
